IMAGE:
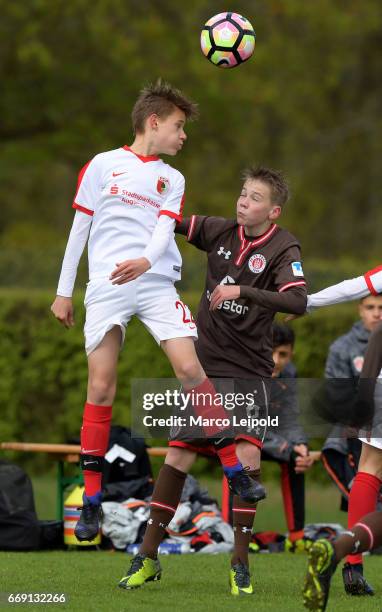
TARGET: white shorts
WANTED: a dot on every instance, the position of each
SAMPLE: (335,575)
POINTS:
(376,442)
(151,297)
(376,439)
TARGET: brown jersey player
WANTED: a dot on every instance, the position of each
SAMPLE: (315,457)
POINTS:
(253,271)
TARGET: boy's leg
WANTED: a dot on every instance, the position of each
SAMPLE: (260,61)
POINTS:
(293,492)
(95,431)
(182,356)
(362,500)
(165,499)
(243,516)
(324,557)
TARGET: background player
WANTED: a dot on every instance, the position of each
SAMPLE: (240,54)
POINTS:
(127,203)
(287,444)
(367,483)
(253,270)
(365,535)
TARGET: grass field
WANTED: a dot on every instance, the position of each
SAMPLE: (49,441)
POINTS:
(189,582)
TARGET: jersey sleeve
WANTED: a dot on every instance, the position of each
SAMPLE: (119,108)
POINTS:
(350,289)
(202,231)
(373,280)
(288,270)
(174,203)
(88,187)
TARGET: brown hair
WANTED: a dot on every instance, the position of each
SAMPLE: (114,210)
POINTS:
(273,178)
(162,99)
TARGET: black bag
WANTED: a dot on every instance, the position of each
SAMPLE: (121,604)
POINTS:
(19,527)
(122,479)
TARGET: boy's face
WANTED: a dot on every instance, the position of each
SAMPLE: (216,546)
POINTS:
(370,310)
(168,134)
(281,356)
(254,206)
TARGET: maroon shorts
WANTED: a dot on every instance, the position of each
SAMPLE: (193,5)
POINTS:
(233,389)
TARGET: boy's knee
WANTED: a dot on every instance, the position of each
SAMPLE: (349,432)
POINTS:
(189,372)
(180,458)
(101,390)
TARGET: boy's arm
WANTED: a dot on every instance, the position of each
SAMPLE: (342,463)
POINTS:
(130,269)
(290,287)
(291,301)
(347,290)
(62,307)
(171,212)
(202,231)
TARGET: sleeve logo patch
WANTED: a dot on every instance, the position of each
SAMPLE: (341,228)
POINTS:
(257,263)
(162,185)
(297,268)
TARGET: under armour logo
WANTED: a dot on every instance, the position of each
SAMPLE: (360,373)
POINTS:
(163,525)
(150,521)
(221,251)
(246,530)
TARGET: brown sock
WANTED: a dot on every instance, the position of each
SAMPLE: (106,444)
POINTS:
(166,496)
(363,536)
(243,514)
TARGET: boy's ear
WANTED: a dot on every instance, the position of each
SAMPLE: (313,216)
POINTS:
(152,121)
(275,213)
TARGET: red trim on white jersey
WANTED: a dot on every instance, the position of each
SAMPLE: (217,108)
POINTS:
(87,211)
(247,245)
(144,158)
(164,506)
(79,181)
(171,214)
(191,227)
(293,284)
(369,283)
(182,205)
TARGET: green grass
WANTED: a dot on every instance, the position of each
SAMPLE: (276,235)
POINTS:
(189,583)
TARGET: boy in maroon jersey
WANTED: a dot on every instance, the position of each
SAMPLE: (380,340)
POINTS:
(254,270)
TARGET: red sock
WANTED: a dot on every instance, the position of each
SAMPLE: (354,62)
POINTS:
(94,440)
(207,405)
(362,500)
(227,455)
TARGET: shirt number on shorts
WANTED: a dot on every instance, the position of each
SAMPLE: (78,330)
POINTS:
(187,316)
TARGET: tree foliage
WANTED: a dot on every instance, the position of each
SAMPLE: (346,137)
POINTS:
(308,102)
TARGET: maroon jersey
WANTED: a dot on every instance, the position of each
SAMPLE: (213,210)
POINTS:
(236,339)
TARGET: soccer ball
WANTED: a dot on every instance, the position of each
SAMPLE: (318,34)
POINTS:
(227,40)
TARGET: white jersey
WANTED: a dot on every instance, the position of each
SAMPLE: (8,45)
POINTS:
(369,283)
(125,194)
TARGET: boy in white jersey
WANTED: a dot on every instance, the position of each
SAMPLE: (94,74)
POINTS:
(127,203)
(366,486)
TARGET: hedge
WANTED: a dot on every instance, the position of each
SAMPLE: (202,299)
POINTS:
(44,370)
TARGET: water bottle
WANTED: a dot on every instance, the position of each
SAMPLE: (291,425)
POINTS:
(173,548)
(132,549)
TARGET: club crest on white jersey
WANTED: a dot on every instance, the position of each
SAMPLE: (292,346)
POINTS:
(163,185)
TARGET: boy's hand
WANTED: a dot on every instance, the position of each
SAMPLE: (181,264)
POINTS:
(129,270)
(62,309)
(303,461)
(292,317)
(224,292)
